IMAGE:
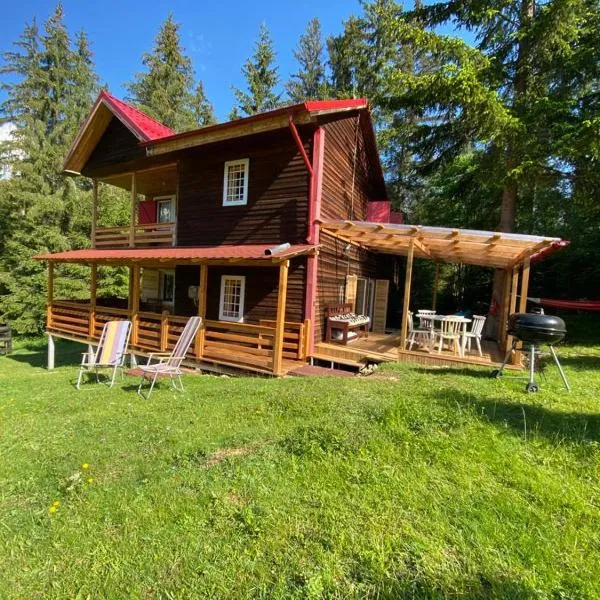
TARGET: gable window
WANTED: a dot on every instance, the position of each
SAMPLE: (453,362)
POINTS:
(231,306)
(235,182)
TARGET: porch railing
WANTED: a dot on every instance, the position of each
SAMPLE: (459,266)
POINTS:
(151,234)
(235,344)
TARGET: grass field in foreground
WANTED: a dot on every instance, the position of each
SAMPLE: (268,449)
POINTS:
(416,483)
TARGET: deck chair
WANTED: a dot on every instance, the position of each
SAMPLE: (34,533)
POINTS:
(475,333)
(110,353)
(169,364)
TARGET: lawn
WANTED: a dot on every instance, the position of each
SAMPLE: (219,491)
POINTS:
(416,482)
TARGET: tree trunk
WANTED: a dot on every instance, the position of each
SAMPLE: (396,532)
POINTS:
(510,193)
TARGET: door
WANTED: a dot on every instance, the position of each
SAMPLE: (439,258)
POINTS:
(380,305)
(165,209)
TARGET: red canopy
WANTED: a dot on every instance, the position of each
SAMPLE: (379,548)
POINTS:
(593,305)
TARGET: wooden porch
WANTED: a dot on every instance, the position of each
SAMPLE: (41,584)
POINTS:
(235,345)
(379,347)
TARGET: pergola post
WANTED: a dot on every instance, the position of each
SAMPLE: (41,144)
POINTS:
(280,321)
(93,290)
(505,307)
(94,210)
(513,303)
(523,300)
(435,285)
(133,211)
(199,350)
(406,303)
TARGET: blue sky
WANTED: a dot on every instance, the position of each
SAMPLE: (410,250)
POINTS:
(217,35)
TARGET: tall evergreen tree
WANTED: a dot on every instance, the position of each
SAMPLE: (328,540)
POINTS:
(309,83)
(203,110)
(166,90)
(262,78)
(45,210)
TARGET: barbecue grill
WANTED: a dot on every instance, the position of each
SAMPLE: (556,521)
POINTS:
(535,329)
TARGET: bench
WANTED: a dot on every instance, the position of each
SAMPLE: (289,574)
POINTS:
(341,318)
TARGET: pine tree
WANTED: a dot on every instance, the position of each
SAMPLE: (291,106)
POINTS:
(309,82)
(45,209)
(203,110)
(166,90)
(261,78)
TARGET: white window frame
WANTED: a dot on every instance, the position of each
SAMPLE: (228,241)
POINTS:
(242,281)
(171,200)
(235,163)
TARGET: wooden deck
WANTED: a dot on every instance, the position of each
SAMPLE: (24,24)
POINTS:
(386,348)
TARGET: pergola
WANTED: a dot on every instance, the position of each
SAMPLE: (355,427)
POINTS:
(511,252)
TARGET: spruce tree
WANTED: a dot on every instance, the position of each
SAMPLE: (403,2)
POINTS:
(165,90)
(309,82)
(203,110)
(45,209)
(262,78)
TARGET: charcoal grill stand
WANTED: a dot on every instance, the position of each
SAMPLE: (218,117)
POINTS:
(531,385)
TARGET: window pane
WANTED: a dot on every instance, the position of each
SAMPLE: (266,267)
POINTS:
(236,179)
(232,290)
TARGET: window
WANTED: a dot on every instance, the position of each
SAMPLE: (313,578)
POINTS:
(165,209)
(231,307)
(167,287)
(235,182)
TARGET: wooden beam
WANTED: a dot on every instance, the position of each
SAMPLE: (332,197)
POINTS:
(134,301)
(280,321)
(50,294)
(436,283)
(93,290)
(524,285)
(202,293)
(504,307)
(94,211)
(133,211)
(406,303)
(512,307)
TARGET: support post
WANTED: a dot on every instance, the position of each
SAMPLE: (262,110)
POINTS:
(93,290)
(94,210)
(134,302)
(133,210)
(202,286)
(512,305)
(280,321)
(164,330)
(523,301)
(50,294)
(50,353)
(505,308)
(435,285)
(406,303)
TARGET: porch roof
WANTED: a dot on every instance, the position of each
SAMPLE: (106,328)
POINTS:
(467,246)
(255,254)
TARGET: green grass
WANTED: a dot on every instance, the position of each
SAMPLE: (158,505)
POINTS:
(416,483)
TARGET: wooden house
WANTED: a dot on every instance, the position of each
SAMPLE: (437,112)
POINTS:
(257,225)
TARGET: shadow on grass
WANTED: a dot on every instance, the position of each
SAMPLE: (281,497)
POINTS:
(35,354)
(525,419)
(478,373)
(585,362)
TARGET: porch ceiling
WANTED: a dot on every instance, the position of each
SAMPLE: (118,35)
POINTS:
(466,246)
(158,181)
(248,254)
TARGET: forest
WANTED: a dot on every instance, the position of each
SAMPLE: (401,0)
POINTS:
(501,134)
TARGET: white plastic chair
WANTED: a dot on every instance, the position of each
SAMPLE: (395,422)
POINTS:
(110,352)
(419,335)
(169,364)
(450,330)
(475,333)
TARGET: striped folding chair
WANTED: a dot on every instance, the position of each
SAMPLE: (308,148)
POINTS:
(110,353)
(169,364)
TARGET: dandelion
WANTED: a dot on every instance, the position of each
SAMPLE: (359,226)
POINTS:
(56,504)
(85,466)
(52,509)
(90,480)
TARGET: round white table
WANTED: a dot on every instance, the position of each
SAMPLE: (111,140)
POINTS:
(464,321)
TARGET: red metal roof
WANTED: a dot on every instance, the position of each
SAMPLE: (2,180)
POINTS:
(311,107)
(145,128)
(173,255)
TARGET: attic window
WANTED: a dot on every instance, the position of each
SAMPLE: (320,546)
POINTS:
(235,182)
